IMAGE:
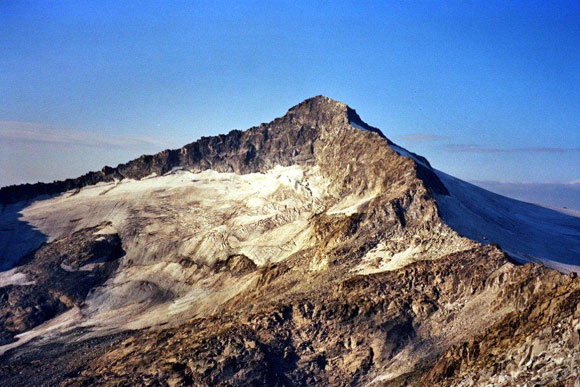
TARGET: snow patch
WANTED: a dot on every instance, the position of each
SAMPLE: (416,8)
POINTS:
(355,125)
(405,153)
(13,277)
(351,204)
(55,326)
(381,258)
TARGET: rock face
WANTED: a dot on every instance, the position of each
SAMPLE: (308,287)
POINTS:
(55,278)
(285,141)
(366,327)
(309,250)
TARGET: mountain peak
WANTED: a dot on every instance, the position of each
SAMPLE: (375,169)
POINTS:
(318,108)
(321,109)
(237,151)
(320,101)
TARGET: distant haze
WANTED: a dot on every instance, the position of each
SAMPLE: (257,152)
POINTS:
(553,194)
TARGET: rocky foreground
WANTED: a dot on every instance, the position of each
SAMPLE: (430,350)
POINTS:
(306,251)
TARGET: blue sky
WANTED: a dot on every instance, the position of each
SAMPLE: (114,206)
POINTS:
(487,91)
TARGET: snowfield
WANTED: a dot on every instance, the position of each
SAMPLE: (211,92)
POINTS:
(527,232)
(174,228)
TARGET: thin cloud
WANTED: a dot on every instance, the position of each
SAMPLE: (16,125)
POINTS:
(557,194)
(467,148)
(528,183)
(422,137)
(32,132)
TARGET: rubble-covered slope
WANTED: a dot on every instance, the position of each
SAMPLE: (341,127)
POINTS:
(503,324)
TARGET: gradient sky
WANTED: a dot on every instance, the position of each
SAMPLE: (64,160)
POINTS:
(487,91)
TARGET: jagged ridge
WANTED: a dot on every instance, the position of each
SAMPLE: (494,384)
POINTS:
(286,141)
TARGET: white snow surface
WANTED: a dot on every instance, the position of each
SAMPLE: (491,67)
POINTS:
(527,232)
(381,258)
(355,125)
(174,227)
(206,214)
(406,153)
(14,277)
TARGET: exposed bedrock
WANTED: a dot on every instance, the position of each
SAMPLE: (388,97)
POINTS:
(55,278)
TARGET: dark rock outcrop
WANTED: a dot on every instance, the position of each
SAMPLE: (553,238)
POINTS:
(59,276)
(237,264)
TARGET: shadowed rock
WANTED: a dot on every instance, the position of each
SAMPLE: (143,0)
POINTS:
(57,276)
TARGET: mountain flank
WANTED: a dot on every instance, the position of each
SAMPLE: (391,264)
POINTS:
(310,250)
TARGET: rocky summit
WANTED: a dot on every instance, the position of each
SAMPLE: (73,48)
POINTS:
(310,250)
